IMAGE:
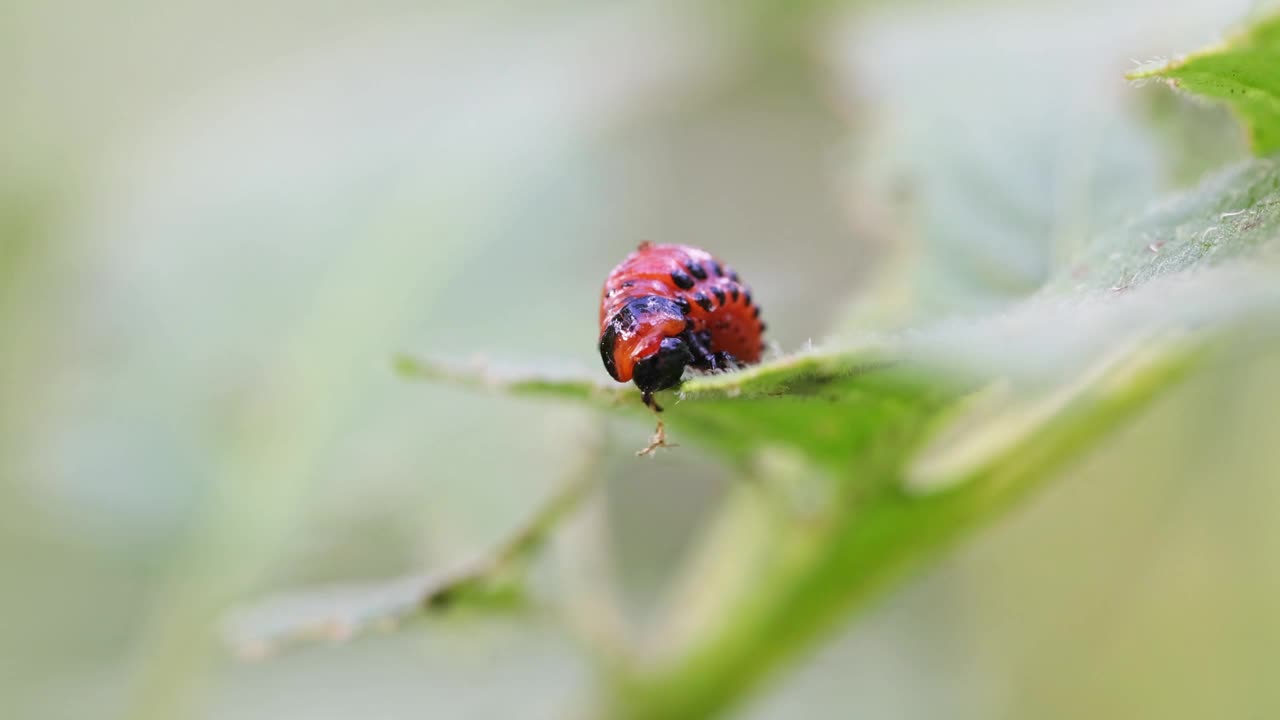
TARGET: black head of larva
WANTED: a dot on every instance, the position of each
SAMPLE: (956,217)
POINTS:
(663,369)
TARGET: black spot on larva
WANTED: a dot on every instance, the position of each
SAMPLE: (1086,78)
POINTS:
(733,292)
(682,281)
(696,270)
(625,320)
(763,327)
(645,306)
(733,275)
(607,341)
(746,296)
(702,300)
(719,270)
(755,312)
(719,295)
(685,307)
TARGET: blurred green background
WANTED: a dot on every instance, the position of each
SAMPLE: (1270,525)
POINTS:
(219,223)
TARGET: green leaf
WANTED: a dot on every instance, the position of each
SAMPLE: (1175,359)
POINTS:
(797,572)
(867,460)
(1244,72)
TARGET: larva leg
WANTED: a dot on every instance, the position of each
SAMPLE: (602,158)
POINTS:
(659,439)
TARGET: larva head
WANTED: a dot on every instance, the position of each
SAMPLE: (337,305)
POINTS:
(663,369)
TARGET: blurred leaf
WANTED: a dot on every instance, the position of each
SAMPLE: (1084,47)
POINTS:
(493,579)
(1244,72)
(985,173)
(870,459)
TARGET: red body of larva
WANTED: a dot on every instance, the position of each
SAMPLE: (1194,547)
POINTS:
(669,306)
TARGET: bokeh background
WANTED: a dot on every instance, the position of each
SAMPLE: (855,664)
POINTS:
(219,222)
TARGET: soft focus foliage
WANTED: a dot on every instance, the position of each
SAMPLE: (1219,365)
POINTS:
(989,265)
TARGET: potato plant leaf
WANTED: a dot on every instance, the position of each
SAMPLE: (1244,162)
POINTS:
(870,459)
